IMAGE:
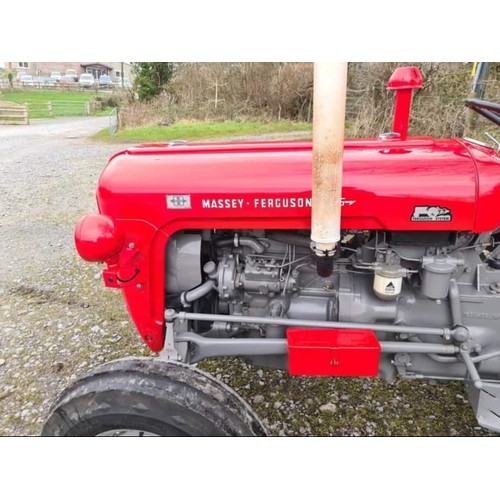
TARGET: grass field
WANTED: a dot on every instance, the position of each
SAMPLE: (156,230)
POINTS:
(42,96)
(202,130)
(63,103)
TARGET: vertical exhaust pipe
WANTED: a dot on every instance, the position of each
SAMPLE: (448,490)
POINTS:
(330,89)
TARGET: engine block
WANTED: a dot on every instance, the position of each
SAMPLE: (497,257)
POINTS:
(273,276)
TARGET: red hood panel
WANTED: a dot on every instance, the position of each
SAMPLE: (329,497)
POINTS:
(417,184)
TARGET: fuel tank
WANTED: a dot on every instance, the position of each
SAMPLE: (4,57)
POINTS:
(416,184)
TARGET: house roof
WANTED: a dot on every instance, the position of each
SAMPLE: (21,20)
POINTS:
(86,65)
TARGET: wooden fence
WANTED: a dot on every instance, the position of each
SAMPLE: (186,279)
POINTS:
(12,113)
(62,87)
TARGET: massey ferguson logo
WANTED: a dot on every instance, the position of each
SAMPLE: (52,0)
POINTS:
(431,214)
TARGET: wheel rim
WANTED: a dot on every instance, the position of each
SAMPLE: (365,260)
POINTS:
(126,433)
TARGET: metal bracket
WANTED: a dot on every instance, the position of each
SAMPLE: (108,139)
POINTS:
(169,352)
(129,266)
(402,362)
(471,368)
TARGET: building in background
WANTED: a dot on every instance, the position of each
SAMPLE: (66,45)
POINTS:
(96,69)
(113,69)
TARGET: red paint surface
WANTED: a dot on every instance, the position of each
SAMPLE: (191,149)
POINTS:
(407,77)
(333,352)
(386,180)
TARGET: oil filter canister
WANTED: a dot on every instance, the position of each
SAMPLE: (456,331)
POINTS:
(436,277)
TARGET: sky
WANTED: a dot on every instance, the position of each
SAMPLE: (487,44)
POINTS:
(265,30)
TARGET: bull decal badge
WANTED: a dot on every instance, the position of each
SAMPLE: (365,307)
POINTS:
(426,213)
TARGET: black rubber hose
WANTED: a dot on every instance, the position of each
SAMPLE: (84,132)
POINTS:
(290,238)
(173,301)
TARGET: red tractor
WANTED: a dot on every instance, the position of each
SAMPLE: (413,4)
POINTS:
(369,257)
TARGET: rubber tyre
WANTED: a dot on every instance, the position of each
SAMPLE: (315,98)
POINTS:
(153,396)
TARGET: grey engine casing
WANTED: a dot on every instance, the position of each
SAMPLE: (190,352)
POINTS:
(281,281)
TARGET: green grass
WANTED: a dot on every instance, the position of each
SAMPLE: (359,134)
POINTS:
(63,103)
(103,112)
(202,130)
(42,96)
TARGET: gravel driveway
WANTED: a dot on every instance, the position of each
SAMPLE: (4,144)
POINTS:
(57,320)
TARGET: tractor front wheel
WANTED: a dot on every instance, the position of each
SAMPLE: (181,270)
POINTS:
(150,397)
